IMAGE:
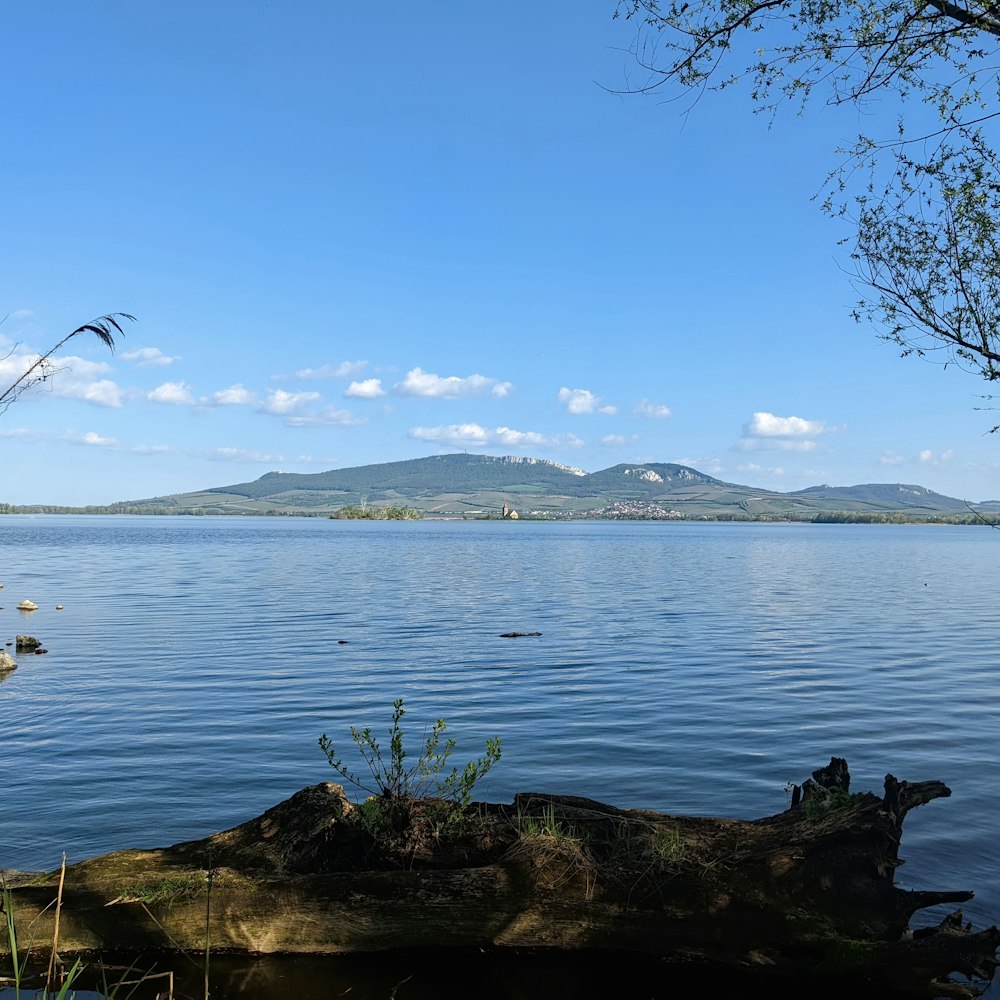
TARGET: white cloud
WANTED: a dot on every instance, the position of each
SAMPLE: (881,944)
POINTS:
(243,455)
(281,403)
(69,377)
(90,439)
(343,370)
(476,436)
(618,440)
(101,393)
(370,388)
(751,468)
(583,401)
(767,432)
(172,393)
(80,368)
(96,440)
(457,434)
(520,439)
(775,444)
(77,379)
(764,424)
(327,417)
(148,357)
(293,406)
(891,458)
(929,458)
(15,365)
(93,438)
(235,395)
(152,449)
(22,313)
(417,382)
(651,411)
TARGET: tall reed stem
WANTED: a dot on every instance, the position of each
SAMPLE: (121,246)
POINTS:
(208,919)
(55,932)
(8,907)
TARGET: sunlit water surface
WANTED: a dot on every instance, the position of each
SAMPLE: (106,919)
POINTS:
(687,668)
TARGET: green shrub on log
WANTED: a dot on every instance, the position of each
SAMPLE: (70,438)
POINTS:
(397,784)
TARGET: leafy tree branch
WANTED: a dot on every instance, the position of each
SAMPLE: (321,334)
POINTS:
(924,204)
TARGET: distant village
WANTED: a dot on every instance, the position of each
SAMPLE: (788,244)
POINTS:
(632,510)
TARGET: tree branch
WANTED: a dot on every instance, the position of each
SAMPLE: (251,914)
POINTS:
(981,22)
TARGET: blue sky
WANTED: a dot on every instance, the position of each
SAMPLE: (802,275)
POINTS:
(358,233)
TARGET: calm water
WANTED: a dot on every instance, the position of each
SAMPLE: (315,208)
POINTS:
(688,668)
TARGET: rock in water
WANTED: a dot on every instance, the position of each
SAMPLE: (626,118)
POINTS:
(27,606)
(26,643)
(7,663)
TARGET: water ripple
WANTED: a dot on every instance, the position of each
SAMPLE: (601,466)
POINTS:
(689,668)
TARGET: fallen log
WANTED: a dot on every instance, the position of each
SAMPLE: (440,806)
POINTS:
(807,894)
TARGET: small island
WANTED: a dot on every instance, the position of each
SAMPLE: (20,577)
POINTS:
(376,513)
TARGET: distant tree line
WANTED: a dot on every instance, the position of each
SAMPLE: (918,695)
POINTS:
(148,510)
(409,514)
(894,517)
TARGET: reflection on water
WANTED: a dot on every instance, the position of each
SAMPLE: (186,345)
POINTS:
(430,974)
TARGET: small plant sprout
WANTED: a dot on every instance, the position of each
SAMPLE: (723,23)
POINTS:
(398,779)
(546,825)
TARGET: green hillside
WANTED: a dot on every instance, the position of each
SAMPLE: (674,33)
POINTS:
(461,473)
(889,496)
(480,485)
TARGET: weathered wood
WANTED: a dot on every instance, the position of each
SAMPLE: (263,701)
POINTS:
(808,893)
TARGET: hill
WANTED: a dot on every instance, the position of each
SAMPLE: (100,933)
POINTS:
(479,485)
(888,496)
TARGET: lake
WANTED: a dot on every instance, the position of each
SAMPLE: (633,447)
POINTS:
(691,668)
